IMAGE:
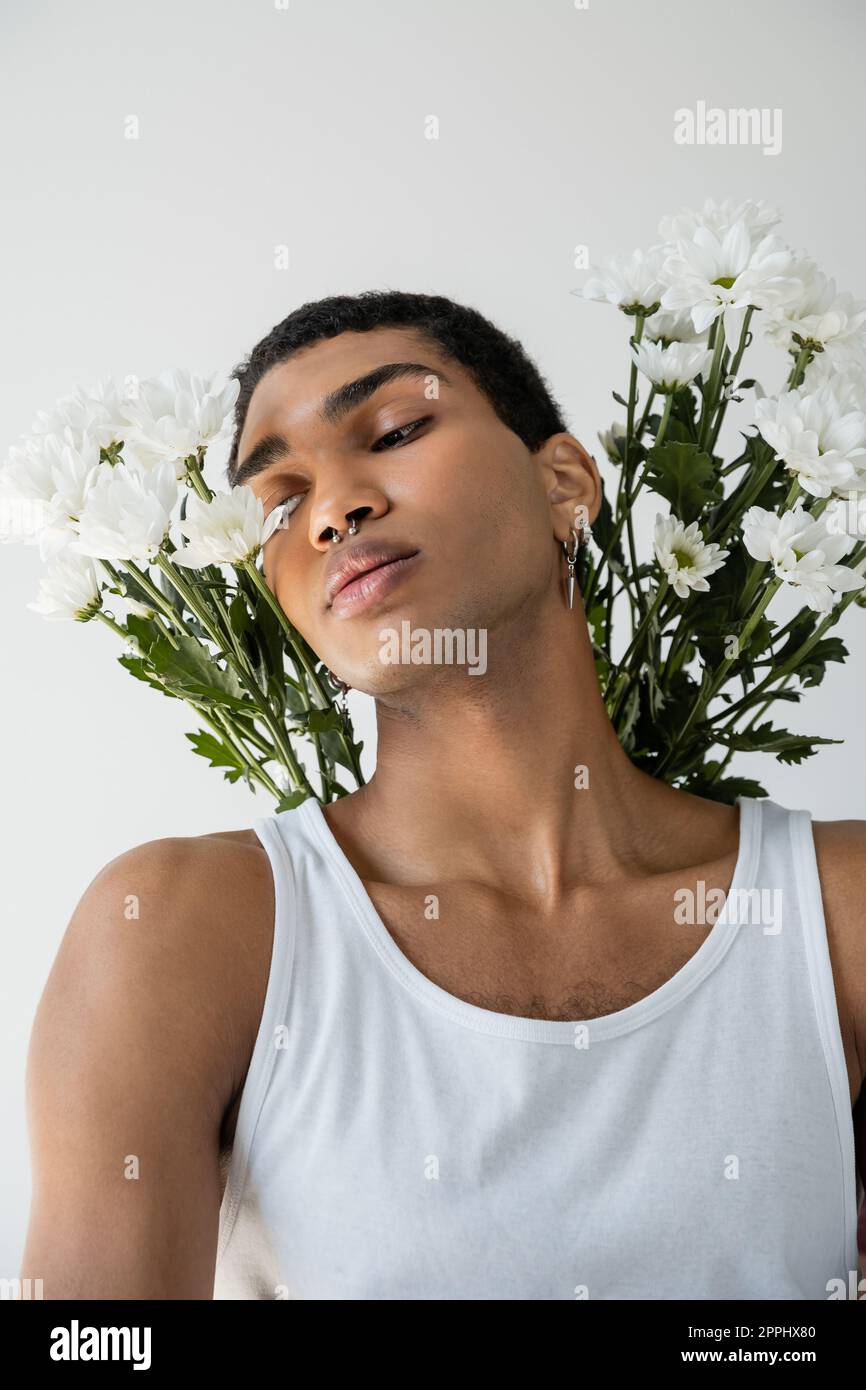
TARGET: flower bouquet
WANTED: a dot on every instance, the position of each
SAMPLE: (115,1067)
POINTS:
(704,660)
(110,485)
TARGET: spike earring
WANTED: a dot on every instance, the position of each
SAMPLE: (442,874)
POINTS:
(571,557)
(580,542)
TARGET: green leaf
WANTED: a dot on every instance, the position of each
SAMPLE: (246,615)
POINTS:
(239,617)
(143,672)
(217,753)
(596,617)
(813,668)
(685,476)
(190,669)
(333,746)
(318,721)
(655,692)
(787,747)
(628,717)
(683,413)
(725,789)
(291,800)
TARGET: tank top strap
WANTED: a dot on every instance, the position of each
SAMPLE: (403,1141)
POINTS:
(271,831)
(813,926)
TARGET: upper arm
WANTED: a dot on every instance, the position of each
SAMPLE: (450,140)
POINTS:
(840,848)
(137,1046)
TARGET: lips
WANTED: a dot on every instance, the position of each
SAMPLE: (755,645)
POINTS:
(348,567)
(368,588)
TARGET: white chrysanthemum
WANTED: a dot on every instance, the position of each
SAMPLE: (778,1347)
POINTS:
(758,217)
(171,415)
(716,277)
(803,552)
(46,479)
(815,438)
(69,589)
(665,327)
(613,441)
(127,513)
(684,556)
(816,313)
(26,491)
(671,367)
(93,412)
(229,530)
(847,380)
(631,282)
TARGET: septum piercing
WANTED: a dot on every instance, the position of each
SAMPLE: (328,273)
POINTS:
(352,531)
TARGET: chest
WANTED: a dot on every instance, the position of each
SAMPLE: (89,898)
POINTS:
(597,954)
(587,958)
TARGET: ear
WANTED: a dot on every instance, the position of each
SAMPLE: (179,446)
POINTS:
(572,482)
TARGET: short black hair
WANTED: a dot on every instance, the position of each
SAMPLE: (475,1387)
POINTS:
(497,363)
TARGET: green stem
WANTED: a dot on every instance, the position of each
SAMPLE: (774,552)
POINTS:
(297,646)
(160,602)
(715,684)
(205,617)
(157,616)
(758,567)
(746,728)
(644,418)
(618,519)
(734,368)
(750,487)
(196,477)
(712,384)
(798,371)
(622,666)
(221,724)
(218,721)
(110,622)
(789,667)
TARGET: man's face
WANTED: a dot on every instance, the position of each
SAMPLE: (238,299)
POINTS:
(429,468)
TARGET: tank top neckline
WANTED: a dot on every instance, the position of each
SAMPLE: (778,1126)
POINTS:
(712,949)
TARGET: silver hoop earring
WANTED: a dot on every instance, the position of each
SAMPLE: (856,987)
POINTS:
(339,686)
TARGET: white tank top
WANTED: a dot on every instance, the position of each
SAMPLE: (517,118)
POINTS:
(396,1142)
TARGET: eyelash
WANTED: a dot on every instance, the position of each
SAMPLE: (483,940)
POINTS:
(412,428)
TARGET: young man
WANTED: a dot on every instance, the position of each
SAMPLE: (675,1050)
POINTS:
(451,1030)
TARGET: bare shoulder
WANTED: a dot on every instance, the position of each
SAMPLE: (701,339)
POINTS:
(840,851)
(141,1040)
(179,927)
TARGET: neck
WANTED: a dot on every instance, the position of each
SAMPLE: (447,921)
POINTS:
(515,777)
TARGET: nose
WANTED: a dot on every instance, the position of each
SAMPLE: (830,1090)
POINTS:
(332,521)
(352,520)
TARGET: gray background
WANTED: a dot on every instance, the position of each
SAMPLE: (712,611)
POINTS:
(305,127)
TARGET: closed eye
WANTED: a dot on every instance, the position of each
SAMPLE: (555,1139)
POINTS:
(392,440)
(400,435)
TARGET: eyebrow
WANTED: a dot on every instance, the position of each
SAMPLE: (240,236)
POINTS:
(333,407)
